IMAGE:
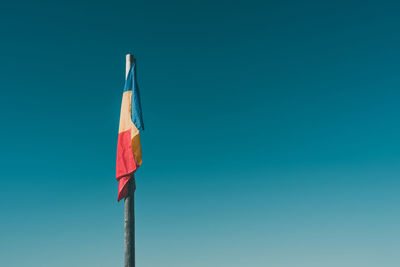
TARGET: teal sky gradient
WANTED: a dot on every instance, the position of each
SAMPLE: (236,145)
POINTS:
(272,133)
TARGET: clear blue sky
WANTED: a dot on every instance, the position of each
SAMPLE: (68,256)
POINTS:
(272,133)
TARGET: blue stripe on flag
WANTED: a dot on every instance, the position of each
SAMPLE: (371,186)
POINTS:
(131,84)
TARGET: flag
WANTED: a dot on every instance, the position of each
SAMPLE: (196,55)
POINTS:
(129,151)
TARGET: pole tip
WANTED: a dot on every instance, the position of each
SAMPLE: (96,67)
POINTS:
(130,58)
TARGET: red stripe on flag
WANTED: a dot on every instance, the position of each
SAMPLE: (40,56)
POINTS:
(125,162)
(123,187)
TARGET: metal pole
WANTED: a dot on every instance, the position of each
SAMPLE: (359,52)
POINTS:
(129,225)
(129,220)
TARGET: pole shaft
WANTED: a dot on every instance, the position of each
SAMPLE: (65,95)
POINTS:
(129,220)
(129,225)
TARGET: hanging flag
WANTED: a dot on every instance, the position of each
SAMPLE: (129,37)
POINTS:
(129,151)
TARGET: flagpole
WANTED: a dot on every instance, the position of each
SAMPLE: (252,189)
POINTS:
(129,220)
